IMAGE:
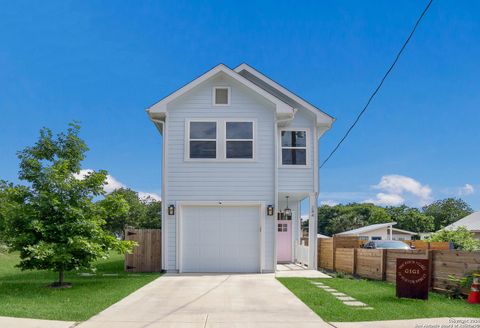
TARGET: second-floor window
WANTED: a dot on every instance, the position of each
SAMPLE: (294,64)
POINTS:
(294,147)
(239,140)
(203,140)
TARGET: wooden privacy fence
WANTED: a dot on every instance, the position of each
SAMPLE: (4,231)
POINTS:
(146,257)
(380,264)
(327,250)
(343,254)
(326,246)
(325,253)
(370,263)
(434,245)
(457,263)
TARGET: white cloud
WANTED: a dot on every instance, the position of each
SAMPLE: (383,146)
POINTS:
(398,184)
(113,184)
(82,174)
(146,195)
(397,189)
(468,189)
(386,200)
(328,202)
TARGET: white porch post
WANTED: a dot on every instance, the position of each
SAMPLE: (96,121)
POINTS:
(312,231)
(297,230)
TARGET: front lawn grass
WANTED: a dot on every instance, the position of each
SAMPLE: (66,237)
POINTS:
(24,293)
(378,294)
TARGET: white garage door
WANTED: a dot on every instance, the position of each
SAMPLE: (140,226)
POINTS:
(220,239)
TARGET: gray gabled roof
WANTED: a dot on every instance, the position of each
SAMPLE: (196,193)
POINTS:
(282,93)
(471,222)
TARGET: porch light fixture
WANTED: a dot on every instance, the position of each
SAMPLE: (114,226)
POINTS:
(287,211)
(270,210)
(171,209)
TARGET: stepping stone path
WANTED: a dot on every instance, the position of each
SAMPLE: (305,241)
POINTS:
(354,303)
(347,300)
(339,294)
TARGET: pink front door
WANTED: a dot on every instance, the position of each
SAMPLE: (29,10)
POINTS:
(284,240)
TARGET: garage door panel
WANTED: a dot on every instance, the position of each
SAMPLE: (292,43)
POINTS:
(220,239)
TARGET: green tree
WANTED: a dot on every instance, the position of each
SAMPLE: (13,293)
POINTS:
(341,218)
(3,205)
(54,223)
(326,214)
(461,238)
(447,211)
(141,213)
(116,210)
(153,214)
(411,219)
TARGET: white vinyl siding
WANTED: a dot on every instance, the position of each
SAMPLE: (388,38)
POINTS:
(299,178)
(221,180)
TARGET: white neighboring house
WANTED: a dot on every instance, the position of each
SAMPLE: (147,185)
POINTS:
(240,152)
(381,231)
(471,222)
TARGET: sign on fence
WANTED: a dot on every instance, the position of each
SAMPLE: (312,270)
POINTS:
(413,278)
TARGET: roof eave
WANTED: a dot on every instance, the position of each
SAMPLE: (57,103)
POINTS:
(161,106)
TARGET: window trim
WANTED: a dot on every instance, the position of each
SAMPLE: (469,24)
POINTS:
(187,140)
(221,144)
(307,149)
(245,120)
(229,96)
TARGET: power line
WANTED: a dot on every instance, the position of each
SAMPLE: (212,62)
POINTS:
(379,85)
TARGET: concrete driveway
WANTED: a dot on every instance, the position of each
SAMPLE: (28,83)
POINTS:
(208,300)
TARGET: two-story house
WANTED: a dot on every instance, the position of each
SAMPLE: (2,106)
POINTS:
(240,152)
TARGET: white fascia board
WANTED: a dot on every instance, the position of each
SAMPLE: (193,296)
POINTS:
(321,129)
(161,106)
(322,118)
(404,231)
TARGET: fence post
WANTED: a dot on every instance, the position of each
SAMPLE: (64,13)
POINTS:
(319,244)
(334,250)
(354,260)
(430,256)
(384,264)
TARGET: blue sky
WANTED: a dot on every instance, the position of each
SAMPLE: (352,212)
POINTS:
(104,62)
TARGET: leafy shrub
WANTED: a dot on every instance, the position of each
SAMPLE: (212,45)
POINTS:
(461,238)
(459,285)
